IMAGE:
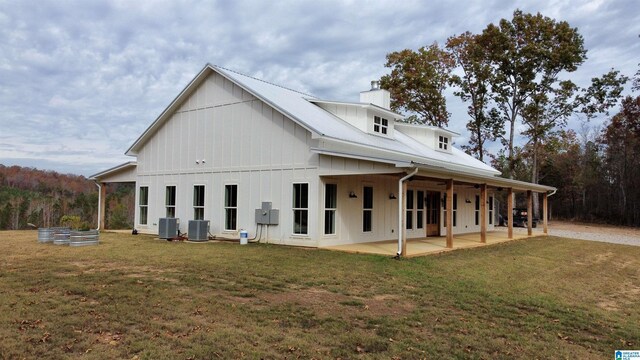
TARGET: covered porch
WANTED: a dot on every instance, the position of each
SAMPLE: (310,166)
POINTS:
(124,173)
(435,245)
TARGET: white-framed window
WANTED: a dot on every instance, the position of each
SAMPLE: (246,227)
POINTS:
(443,142)
(380,125)
(490,210)
(367,209)
(143,203)
(231,207)
(330,206)
(455,210)
(198,202)
(409,214)
(477,210)
(300,208)
(420,209)
(170,201)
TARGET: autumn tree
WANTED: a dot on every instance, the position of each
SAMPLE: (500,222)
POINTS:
(474,88)
(417,82)
(622,141)
(527,55)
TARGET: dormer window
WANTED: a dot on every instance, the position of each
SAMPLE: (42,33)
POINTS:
(380,125)
(443,142)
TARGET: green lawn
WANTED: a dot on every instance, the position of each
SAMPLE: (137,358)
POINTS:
(135,297)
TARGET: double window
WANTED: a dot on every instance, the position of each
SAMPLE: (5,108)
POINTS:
(330,205)
(380,125)
(420,210)
(198,202)
(455,209)
(367,208)
(443,142)
(170,201)
(300,209)
(231,207)
(409,214)
(477,210)
(490,210)
(144,204)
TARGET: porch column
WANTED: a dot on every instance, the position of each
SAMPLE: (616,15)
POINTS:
(449,215)
(404,219)
(529,212)
(545,215)
(103,202)
(510,213)
(483,213)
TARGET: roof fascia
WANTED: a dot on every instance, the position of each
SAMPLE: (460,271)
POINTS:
(435,164)
(434,128)
(113,170)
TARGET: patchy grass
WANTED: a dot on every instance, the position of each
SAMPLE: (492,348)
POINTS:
(138,297)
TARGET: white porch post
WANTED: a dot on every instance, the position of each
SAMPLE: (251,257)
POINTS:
(529,212)
(449,215)
(510,213)
(545,215)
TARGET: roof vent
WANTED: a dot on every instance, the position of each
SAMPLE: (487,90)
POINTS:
(375,85)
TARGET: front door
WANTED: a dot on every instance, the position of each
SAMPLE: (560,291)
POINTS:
(433,213)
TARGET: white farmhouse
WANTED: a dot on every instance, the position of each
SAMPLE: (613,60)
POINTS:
(336,172)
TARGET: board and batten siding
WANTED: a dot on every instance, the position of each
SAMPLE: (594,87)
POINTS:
(223,135)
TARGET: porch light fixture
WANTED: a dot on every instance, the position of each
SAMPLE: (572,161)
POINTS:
(392,196)
(352,195)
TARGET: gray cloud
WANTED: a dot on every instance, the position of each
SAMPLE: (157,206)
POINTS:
(82,79)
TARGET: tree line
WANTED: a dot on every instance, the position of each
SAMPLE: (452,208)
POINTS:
(30,197)
(515,78)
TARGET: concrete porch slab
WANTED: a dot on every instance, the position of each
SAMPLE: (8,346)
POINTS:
(430,245)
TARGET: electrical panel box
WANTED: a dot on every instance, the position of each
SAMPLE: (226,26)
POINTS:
(168,228)
(198,230)
(266,215)
(262,217)
(274,216)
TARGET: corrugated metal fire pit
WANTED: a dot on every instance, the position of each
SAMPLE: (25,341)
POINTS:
(84,238)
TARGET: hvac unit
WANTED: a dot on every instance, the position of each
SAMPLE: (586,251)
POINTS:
(168,228)
(198,230)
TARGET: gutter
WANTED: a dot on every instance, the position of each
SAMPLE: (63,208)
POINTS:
(401,208)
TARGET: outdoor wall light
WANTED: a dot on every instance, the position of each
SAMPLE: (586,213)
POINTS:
(392,196)
(352,195)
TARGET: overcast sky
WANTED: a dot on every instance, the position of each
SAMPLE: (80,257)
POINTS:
(81,80)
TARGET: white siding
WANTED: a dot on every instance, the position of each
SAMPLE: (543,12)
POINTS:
(242,141)
(350,210)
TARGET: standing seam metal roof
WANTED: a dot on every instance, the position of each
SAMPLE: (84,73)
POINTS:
(299,107)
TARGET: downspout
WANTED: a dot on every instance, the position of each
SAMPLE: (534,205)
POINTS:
(552,193)
(99,203)
(401,208)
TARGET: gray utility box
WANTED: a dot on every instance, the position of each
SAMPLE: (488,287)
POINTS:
(267,215)
(198,230)
(168,228)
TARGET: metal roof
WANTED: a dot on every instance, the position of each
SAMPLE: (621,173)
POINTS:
(301,108)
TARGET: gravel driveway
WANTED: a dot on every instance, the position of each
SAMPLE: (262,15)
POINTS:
(604,233)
